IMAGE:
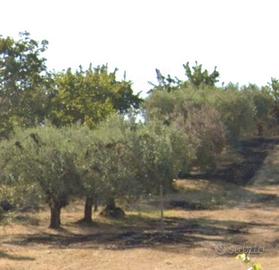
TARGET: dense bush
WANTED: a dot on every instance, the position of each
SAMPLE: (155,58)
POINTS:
(188,111)
(237,111)
(213,117)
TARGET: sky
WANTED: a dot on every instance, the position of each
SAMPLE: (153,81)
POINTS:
(240,37)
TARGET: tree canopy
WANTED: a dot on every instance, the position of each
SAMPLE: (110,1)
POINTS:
(24,81)
(89,96)
(78,134)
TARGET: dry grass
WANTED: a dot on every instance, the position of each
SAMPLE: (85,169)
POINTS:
(190,239)
(198,249)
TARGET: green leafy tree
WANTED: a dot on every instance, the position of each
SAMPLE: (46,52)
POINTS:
(85,149)
(189,111)
(264,117)
(238,113)
(274,85)
(274,92)
(117,176)
(103,160)
(121,160)
(24,82)
(159,154)
(199,77)
(115,162)
(43,156)
(165,83)
(90,96)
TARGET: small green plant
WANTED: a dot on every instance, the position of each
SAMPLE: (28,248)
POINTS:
(245,259)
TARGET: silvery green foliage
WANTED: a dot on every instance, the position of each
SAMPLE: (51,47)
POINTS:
(43,156)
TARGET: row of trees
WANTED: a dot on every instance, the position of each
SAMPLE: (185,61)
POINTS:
(117,160)
(74,134)
(31,95)
(214,118)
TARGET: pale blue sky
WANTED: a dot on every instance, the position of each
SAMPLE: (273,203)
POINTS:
(240,37)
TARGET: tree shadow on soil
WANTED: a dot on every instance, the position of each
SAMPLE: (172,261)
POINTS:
(136,231)
(214,195)
(146,232)
(228,185)
(4,255)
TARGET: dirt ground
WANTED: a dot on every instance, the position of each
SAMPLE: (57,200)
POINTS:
(228,219)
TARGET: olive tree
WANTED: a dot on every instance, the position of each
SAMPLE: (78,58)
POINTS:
(133,159)
(103,161)
(121,160)
(44,156)
(159,154)
(84,146)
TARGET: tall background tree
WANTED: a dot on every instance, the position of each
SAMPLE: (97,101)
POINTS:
(24,82)
(196,77)
(90,96)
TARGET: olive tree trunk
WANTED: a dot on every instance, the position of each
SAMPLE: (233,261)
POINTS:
(55,213)
(88,210)
(96,204)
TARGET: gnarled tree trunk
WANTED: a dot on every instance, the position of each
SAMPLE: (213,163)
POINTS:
(88,210)
(55,212)
(96,204)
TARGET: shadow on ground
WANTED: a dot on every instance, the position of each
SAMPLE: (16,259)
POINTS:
(188,233)
(137,231)
(4,255)
(228,185)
